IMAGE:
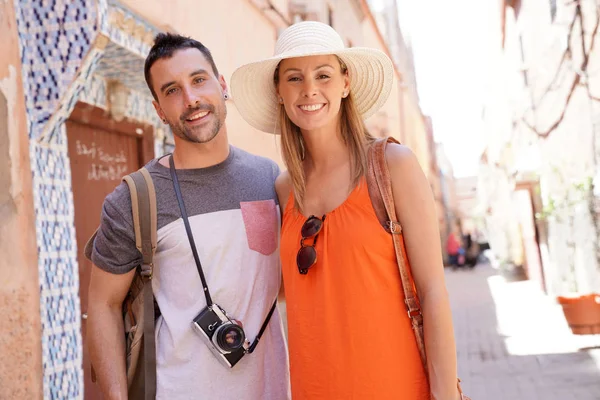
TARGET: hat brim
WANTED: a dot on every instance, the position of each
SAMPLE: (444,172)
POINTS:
(371,74)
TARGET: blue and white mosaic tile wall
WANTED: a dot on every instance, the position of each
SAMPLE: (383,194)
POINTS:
(55,37)
(95,92)
(60,52)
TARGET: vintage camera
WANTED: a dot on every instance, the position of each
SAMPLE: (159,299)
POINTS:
(224,337)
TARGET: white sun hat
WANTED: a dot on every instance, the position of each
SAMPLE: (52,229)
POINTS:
(371,74)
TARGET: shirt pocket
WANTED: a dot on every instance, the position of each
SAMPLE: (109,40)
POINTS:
(260,221)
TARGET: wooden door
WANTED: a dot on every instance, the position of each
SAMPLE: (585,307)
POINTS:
(101,151)
(526,215)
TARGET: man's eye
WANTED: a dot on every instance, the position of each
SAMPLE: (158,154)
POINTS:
(199,80)
(171,91)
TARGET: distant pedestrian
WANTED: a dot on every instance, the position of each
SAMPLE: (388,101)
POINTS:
(453,247)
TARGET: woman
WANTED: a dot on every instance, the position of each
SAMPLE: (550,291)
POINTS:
(349,333)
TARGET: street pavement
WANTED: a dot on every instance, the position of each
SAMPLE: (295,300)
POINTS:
(513,342)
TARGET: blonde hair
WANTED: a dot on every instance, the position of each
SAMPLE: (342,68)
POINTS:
(353,131)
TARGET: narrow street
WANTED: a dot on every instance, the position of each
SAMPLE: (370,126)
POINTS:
(513,342)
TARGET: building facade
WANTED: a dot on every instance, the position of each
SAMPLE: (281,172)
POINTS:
(434,176)
(75,115)
(540,172)
(412,126)
(448,194)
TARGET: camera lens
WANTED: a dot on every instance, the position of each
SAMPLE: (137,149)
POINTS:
(229,337)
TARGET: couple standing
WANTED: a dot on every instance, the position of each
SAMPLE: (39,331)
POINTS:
(349,334)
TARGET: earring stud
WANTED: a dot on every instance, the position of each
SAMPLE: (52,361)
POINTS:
(226,96)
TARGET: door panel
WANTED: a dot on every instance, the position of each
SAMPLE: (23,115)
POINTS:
(101,152)
(530,242)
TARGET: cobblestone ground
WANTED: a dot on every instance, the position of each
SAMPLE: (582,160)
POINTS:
(513,342)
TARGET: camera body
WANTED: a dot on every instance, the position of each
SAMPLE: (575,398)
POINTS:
(224,337)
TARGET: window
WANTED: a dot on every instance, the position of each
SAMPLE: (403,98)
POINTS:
(523,64)
(516,6)
(552,10)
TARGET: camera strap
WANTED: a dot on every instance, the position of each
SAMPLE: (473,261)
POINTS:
(190,236)
(184,216)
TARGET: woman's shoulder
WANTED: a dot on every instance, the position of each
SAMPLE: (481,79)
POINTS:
(396,153)
(401,161)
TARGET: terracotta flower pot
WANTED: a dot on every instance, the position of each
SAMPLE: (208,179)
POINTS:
(582,313)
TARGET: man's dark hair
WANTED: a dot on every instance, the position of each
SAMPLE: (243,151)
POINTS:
(165,44)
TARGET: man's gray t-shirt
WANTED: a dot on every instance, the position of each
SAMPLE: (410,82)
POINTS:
(234,216)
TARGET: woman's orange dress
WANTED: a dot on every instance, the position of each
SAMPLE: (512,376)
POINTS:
(349,334)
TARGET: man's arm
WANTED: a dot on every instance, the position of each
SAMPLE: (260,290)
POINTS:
(115,258)
(105,331)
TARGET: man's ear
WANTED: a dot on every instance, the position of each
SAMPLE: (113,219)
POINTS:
(224,86)
(159,111)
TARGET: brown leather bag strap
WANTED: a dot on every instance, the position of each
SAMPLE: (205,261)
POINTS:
(380,190)
(143,207)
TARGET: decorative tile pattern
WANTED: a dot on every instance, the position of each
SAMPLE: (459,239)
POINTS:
(141,109)
(68,49)
(127,29)
(120,64)
(54,36)
(71,96)
(59,279)
(95,92)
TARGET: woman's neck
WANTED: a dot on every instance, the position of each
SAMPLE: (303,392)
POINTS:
(325,151)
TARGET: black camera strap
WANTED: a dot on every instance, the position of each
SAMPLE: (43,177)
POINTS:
(186,222)
(190,236)
(262,329)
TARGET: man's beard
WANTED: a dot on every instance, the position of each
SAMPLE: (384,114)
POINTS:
(194,135)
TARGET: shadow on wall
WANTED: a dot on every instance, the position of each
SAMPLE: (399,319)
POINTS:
(19,332)
(5,179)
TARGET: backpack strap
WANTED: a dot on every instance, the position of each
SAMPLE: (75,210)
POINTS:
(143,207)
(380,190)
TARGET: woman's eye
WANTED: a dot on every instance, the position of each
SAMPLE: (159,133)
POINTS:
(323,76)
(293,79)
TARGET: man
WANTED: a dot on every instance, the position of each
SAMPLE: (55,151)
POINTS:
(231,203)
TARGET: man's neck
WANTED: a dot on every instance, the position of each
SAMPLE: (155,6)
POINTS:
(188,155)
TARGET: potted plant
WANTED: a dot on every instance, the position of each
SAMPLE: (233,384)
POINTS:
(581,310)
(582,313)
